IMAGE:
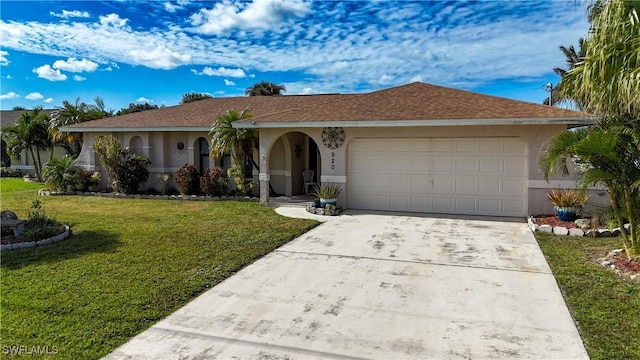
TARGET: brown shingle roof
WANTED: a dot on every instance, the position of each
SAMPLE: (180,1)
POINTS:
(203,113)
(419,101)
(415,101)
(9,117)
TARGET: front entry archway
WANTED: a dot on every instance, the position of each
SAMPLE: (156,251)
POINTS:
(290,155)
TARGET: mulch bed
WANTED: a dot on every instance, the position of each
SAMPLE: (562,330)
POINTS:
(553,220)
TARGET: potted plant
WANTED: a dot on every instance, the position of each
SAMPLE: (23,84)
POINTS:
(328,193)
(567,202)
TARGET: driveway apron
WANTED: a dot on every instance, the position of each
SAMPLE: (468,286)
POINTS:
(384,286)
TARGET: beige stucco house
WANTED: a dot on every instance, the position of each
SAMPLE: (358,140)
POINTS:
(25,164)
(416,147)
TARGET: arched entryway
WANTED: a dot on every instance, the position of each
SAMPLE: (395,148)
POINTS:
(202,155)
(290,155)
(135,144)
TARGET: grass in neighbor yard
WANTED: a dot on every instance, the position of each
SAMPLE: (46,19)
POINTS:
(605,307)
(129,264)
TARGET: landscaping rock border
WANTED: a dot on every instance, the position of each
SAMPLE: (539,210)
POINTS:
(328,210)
(45,192)
(560,230)
(23,245)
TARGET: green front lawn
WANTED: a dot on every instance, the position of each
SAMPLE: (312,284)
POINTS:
(129,264)
(605,307)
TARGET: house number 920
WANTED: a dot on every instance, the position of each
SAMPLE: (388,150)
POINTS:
(333,160)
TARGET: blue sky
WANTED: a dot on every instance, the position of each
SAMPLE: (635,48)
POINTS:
(155,51)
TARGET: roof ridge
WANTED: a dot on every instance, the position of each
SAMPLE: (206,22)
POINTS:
(343,97)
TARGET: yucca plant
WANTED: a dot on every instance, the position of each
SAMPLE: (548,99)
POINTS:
(567,198)
(327,191)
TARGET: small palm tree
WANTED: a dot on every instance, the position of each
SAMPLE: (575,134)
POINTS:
(265,88)
(30,133)
(70,114)
(226,138)
(608,153)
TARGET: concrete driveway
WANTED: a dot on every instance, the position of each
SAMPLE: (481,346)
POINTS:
(379,285)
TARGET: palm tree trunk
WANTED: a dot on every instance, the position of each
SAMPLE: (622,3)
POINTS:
(35,165)
(39,166)
(633,251)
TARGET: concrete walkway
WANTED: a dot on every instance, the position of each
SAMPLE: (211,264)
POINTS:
(379,285)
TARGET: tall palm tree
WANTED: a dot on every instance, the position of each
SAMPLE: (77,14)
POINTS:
(573,57)
(30,133)
(605,83)
(606,80)
(70,114)
(265,88)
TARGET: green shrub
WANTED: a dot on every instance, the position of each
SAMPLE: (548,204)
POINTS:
(214,182)
(131,172)
(62,174)
(243,186)
(39,225)
(567,198)
(188,180)
(7,172)
(125,170)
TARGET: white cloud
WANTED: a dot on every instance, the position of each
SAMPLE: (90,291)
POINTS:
(229,82)
(79,78)
(417,78)
(3,58)
(343,48)
(143,99)
(46,72)
(160,58)
(9,95)
(113,20)
(34,96)
(48,100)
(170,7)
(259,14)
(307,91)
(221,71)
(9,77)
(65,14)
(73,65)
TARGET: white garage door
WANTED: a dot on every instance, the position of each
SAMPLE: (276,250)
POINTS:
(476,176)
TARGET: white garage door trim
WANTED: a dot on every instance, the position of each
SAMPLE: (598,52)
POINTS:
(474,176)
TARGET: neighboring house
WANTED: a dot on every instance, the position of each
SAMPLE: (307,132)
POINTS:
(416,147)
(8,118)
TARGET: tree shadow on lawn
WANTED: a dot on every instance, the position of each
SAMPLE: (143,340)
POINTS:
(86,242)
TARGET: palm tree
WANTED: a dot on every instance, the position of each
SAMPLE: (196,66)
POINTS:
(573,58)
(608,153)
(226,138)
(30,133)
(70,114)
(606,81)
(265,88)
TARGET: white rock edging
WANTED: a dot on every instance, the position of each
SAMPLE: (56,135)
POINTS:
(560,230)
(65,235)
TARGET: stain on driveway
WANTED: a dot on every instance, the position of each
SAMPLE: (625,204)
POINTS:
(390,285)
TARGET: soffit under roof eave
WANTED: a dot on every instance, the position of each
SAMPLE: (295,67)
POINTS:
(572,122)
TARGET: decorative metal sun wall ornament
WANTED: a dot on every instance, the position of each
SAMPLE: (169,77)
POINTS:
(179,146)
(333,137)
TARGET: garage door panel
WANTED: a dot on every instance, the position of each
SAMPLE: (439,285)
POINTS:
(466,165)
(466,145)
(489,205)
(480,176)
(401,164)
(489,165)
(443,164)
(465,185)
(513,166)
